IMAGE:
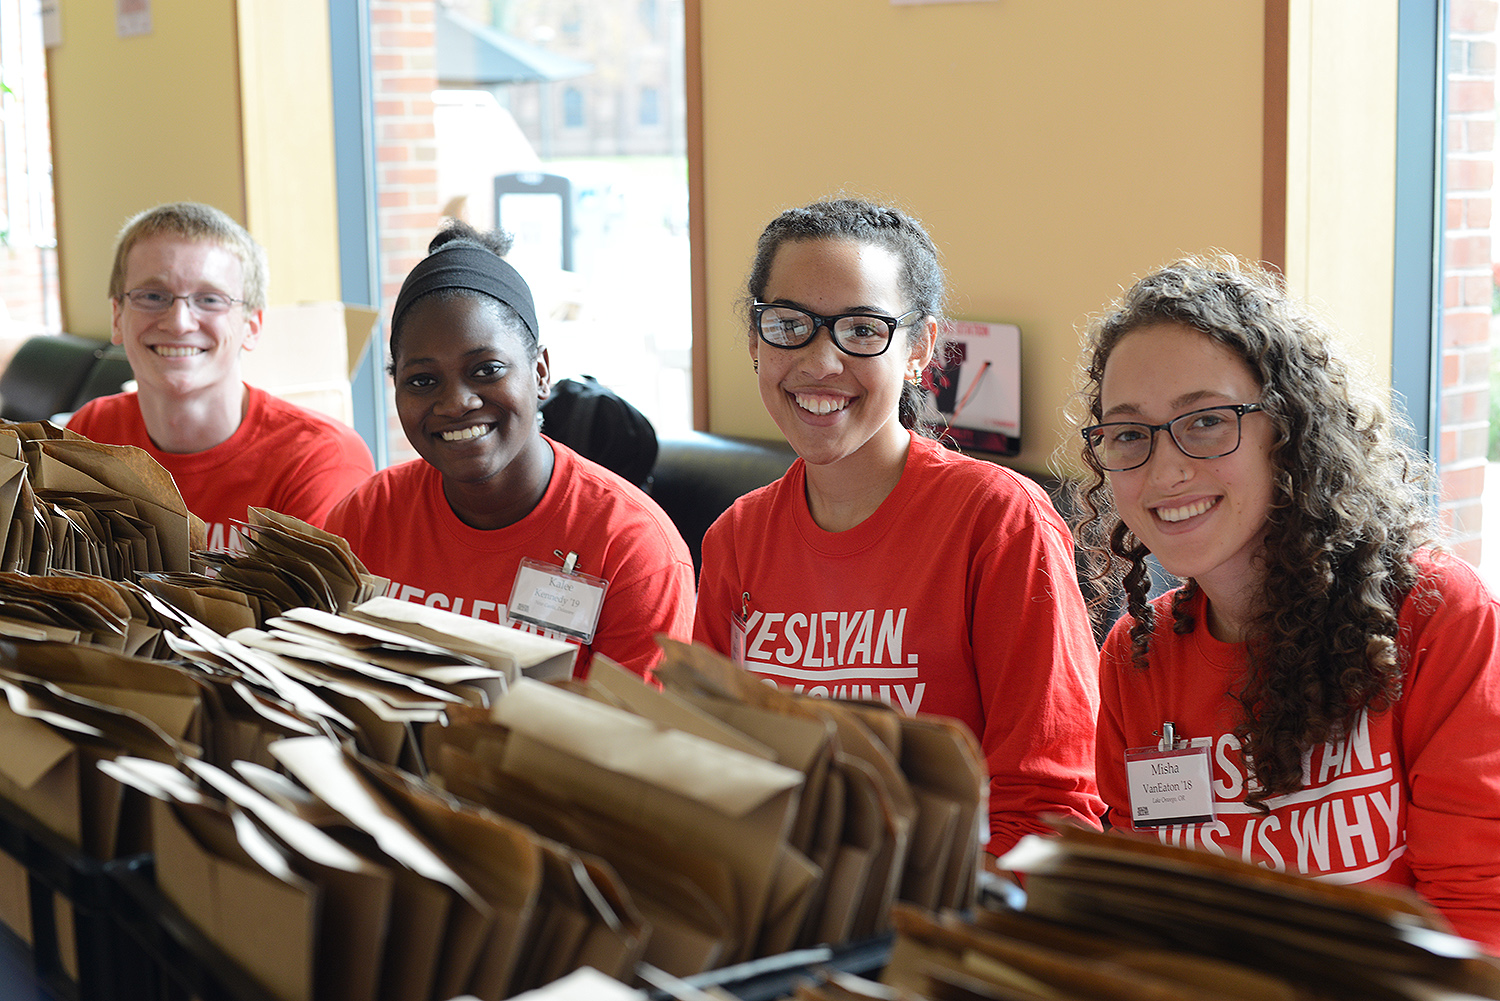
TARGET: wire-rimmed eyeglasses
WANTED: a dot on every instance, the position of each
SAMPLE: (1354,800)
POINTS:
(153,300)
(1209,433)
(863,335)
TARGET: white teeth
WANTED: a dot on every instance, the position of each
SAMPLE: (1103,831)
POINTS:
(464,434)
(820,404)
(1184,513)
(167,351)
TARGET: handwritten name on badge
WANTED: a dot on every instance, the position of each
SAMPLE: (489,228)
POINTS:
(1169,787)
(556,599)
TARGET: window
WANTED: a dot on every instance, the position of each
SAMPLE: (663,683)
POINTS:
(592,148)
(573,108)
(29,302)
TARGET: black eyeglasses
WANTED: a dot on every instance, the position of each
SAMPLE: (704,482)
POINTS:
(863,335)
(151,300)
(1210,433)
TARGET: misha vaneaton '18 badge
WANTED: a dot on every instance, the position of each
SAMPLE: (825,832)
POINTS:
(1169,783)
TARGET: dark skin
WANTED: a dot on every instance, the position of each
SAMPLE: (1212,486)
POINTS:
(469,383)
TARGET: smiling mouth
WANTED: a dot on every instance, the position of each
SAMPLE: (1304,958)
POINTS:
(1184,513)
(820,405)
(464,434)
(173,351)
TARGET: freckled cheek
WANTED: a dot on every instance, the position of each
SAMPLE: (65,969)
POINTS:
(1124,488)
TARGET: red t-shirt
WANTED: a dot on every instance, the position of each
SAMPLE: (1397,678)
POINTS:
(1412,797)
(401,527)
(282,457)
(957,597)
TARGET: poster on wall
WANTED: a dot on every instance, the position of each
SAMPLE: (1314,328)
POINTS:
(132,17)
(978,390)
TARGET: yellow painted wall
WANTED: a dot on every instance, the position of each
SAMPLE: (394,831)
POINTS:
(287,109)
(216,105)
(136,122)
(1054,149)
(1341,166)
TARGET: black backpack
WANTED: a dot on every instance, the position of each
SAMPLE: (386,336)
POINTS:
(597,423)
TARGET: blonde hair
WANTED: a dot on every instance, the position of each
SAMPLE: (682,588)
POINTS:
(194,221)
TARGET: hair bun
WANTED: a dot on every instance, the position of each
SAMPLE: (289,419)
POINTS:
(496,241)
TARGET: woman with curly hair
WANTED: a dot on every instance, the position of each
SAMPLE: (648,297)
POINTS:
(1322,692)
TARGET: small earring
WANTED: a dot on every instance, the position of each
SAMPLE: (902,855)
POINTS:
(541,419)
(755,364)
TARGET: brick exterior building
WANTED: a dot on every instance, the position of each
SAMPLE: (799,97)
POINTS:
(403,77)
(1468,274)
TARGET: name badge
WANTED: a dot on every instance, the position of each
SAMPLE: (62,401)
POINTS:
(739,627)
(1170,786)
(557,598)
(737,638)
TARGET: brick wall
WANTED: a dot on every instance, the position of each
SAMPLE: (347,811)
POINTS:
(28,288)
(28,273)
(403,78)
(1468,275)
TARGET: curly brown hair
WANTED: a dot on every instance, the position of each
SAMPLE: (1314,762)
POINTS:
(1352,504)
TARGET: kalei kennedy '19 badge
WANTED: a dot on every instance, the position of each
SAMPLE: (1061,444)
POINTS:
(1170,783)
(557,598)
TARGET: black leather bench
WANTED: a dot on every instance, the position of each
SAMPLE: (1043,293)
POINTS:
(58,373)
(698,475)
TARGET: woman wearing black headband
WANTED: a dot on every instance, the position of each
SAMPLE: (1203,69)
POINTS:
(494,520)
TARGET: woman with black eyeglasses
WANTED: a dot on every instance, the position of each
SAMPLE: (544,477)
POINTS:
(1322,693)
(882,565)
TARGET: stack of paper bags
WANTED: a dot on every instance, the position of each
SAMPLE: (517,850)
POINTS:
(895,802)
(742,822)
(1117,916)
(64,706)
(345,879)
(286,564)
(373,676)
(371,680)
(390,667)
(67,503)
(78,608)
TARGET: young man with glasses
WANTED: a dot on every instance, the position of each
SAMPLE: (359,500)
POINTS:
(186,296)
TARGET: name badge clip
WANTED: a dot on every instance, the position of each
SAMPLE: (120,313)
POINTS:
(739,625)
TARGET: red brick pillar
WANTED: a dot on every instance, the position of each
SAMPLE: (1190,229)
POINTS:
(402,43)
(1468,276)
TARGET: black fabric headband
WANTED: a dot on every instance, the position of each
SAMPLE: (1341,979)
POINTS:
(470,267)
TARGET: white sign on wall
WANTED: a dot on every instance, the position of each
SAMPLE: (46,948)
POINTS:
(132,17)
(979,389)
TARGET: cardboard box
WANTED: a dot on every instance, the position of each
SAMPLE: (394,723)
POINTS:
(308,352)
